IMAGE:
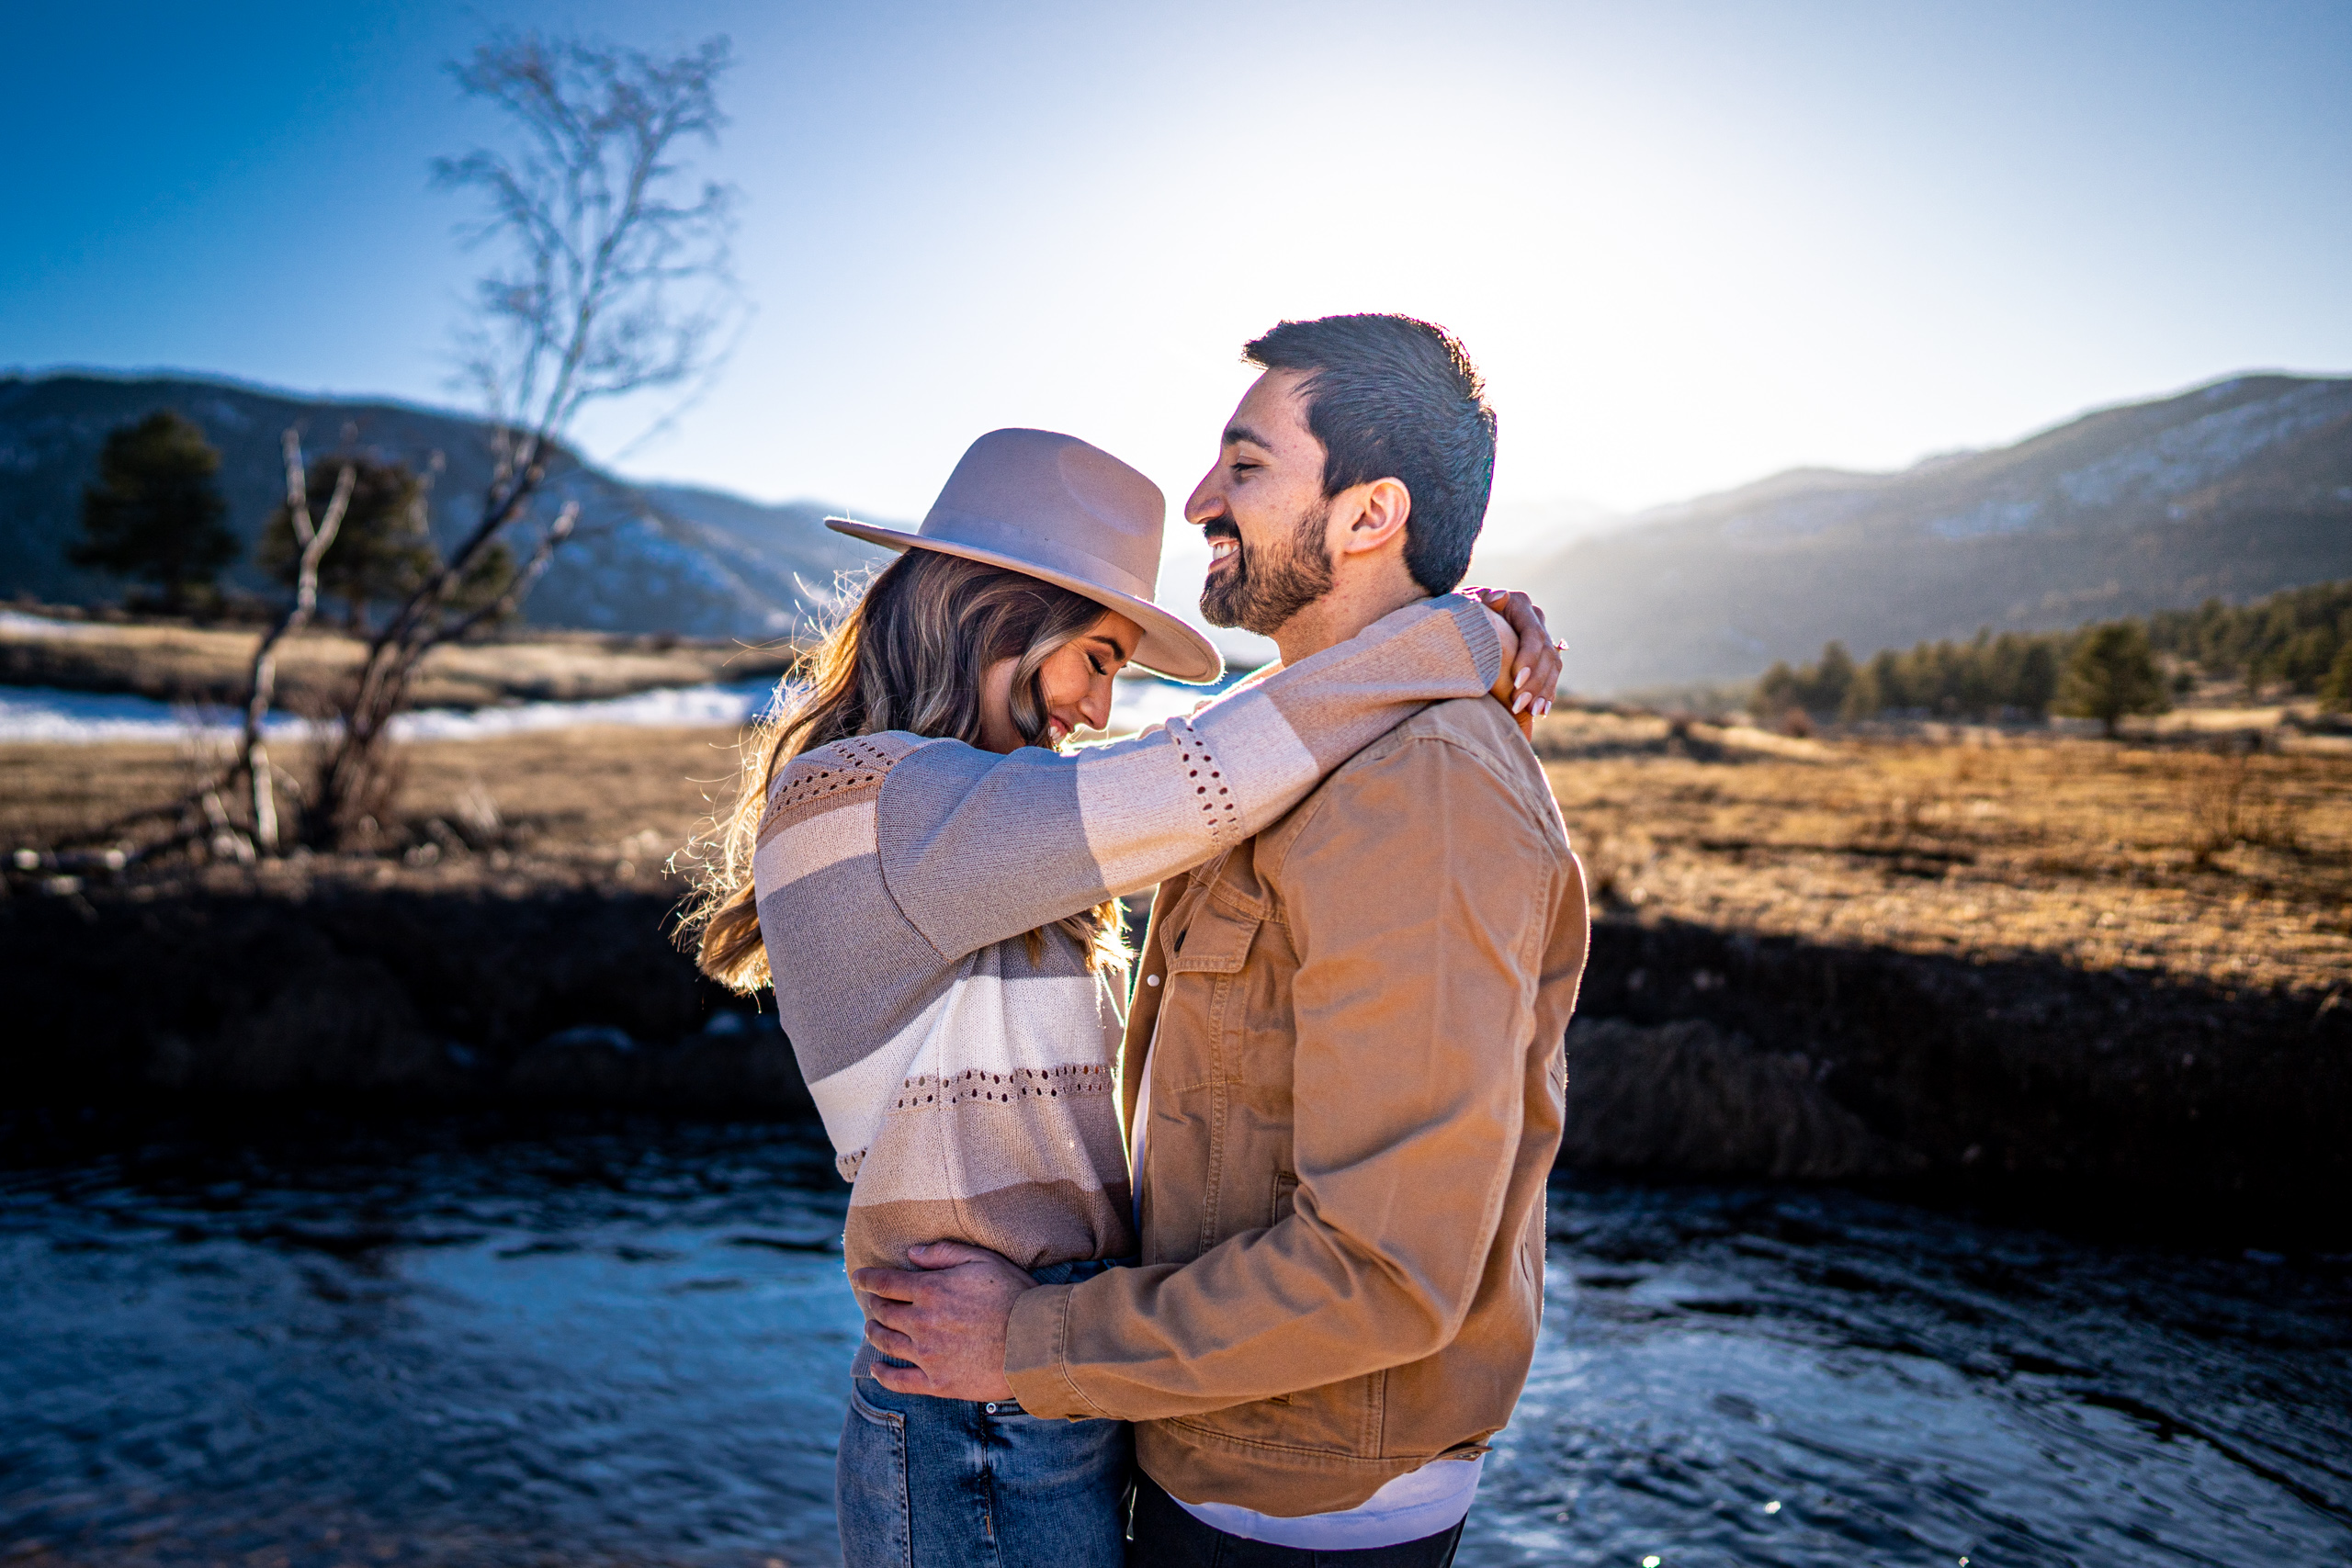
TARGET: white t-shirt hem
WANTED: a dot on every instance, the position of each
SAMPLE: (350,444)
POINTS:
(1427,1501)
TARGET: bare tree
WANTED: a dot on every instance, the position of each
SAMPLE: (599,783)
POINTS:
(262,682)
(613,278)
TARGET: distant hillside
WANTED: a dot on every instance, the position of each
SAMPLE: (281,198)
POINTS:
(2230,490)
(784,550)
(646,558)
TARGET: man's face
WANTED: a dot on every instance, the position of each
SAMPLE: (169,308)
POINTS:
(1265,513)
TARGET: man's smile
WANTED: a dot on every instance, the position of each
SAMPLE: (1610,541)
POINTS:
(1225,541)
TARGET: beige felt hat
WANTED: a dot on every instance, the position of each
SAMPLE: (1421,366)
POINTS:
(1057,509)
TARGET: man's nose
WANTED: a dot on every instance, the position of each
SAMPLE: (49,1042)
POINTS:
(1206,504)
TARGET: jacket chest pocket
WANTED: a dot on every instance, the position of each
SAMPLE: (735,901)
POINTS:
(1207,1000)
(1205,982)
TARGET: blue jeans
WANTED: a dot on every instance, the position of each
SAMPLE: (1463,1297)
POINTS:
(924,1482)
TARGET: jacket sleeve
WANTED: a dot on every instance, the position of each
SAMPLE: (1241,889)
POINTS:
(977,848)
(1418,898)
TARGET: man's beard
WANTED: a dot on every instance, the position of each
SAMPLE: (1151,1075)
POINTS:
(1261,590)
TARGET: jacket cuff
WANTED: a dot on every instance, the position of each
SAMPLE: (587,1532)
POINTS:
(1036,1341)
(1478,632)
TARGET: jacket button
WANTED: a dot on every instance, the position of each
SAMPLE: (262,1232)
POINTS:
(1152,979)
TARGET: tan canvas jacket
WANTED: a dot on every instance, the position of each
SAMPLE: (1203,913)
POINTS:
(1356,1094)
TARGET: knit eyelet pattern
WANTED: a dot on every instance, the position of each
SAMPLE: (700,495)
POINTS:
(1211,790)
(860,762)
(973,1085)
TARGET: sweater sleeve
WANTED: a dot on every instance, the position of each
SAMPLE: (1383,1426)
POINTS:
(976,848)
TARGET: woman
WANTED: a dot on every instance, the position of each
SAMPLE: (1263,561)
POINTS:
(929,885)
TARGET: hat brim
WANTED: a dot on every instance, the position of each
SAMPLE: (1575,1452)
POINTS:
(1171,647)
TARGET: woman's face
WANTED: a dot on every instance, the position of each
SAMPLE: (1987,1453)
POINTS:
(1075,678)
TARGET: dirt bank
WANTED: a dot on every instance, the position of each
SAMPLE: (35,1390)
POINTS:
(1697,1052)
(2163,1102)
(395,994)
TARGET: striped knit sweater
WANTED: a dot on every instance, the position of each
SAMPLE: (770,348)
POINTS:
(971,1091)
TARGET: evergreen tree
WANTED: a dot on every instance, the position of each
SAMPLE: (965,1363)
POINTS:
(2112,673)
(382,553)
(2035,686)
(384,550)
(156,513)
(2304,662)
(1832,678)
(2335,691)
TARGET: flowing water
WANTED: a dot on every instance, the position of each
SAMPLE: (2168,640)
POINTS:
(480,1342)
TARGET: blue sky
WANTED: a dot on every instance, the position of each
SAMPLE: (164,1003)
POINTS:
(1691,244)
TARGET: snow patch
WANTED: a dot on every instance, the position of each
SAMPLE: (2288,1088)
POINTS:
(31,714)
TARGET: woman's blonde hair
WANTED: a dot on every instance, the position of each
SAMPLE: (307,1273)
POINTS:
(908,655)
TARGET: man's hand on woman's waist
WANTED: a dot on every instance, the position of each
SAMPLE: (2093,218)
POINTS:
(947,1315)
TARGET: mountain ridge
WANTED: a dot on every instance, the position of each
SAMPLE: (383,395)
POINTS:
(644,558)
(2234,489)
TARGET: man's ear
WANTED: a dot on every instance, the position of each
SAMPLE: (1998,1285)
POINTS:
(1375,513)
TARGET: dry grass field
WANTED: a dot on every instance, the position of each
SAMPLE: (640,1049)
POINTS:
(208,664)
(2234,869)
(2231,867)
(579,806)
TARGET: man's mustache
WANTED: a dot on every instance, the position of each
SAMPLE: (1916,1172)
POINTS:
(1221,528)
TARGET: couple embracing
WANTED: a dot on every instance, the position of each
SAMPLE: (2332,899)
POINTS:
(1229,1251)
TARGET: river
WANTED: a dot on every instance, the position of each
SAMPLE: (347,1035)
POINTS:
(480,1340)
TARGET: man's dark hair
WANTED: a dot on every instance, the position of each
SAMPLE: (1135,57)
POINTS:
(1394,398)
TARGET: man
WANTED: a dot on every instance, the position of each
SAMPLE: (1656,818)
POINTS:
(1343,1069)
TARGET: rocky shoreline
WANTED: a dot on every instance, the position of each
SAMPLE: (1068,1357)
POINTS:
(2167,1106)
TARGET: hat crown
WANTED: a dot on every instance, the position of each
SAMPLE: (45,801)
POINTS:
(1050,505)
(1057,502)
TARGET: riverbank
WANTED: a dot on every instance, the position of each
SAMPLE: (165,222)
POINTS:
(2020,973)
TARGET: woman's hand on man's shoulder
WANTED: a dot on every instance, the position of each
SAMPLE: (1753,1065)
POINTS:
(1531,674)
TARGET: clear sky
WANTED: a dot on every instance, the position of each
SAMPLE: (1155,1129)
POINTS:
(1691,243)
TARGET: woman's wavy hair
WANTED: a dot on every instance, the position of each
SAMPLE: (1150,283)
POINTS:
(908,655)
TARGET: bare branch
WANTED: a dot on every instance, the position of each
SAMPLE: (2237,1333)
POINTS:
(597,240)
(505,604)
(261,678)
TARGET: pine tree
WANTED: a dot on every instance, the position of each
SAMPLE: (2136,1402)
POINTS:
(382,553)
(2112,673)
(156,513)
(2335,690)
